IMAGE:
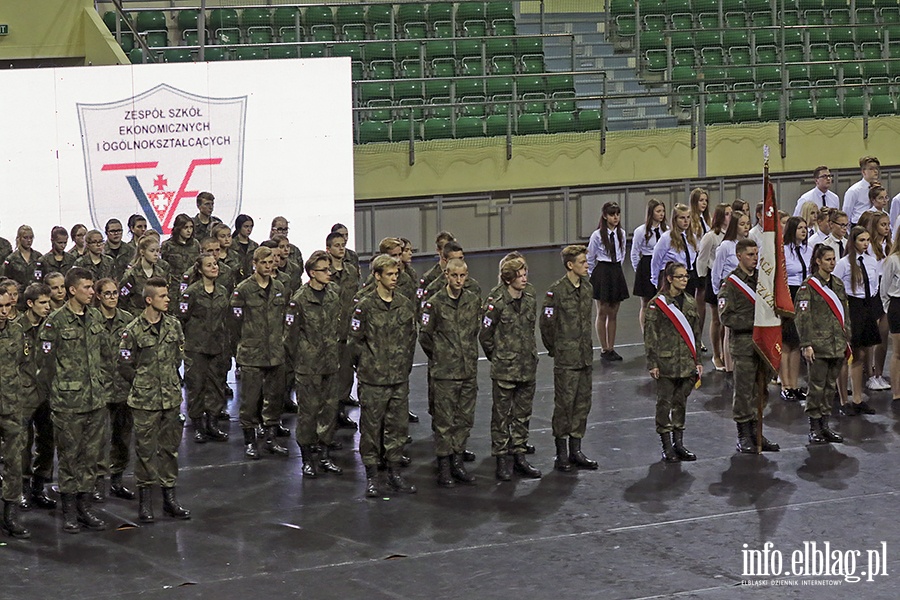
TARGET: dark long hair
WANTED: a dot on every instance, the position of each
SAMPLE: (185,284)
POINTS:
(718,218)
(671,267)
(855,271)
(652,203)
(731,232)
(790,230)
(609,209)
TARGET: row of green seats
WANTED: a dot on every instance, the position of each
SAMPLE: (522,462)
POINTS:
(558,86)
(648,7)
(798,108)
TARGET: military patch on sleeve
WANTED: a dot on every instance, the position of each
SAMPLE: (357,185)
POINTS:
(721,302)
(238,312)
(420,292)
(804,305)
(354,324)
(182,287)
(425,318)
(549,294)
(46,347)
(125,353)
(183,307)
(38,274)
(289,319)
(490,307)
(126,290)
(487,322)
(548,311)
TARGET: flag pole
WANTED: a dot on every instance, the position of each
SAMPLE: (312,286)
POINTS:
(762,374)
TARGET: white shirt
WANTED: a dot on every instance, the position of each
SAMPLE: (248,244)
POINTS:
(726,261)
(839,246)
(895,210)
(798,264)
(756,233)
(856,200)
(597,251)
(815,196)
(814,236)
(890,280)
(643,247)
(664,253)
(842,270)
(706,254)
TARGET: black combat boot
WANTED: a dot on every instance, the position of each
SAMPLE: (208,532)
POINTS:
(529,449)
(98,496)
(468,456)
(745,443)
(85,516)
(171,505)
(11,525)
(224,415)
(413,417)
(562,456)
(815,432)
(829,434)
(290,406)
(503,472)
(213,433)
(25,498)
(282,431)
(444,479)
(39,495)
(310,468)
(668,450)
(200,429)
(458,470)
(767,445)
(523,467)
(344,421)
(118,489)
(272,445)
(250,449)
(70,514)
(326,465)
(145,504)
(396,481)
(372,482)
(680,451)
(577,457)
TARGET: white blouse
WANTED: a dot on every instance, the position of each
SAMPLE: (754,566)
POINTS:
(643,247)
(842,270)
(798,259)
(597,251)
(664,253)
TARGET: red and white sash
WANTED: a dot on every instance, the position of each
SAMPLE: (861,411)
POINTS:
(748,291)
(831,299)
(680,322)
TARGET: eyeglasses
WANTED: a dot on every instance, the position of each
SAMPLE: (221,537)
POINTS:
(844,225)
(829,176)
(281,229)
(112,294)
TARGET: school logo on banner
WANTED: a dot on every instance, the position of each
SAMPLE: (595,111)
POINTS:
(158,150)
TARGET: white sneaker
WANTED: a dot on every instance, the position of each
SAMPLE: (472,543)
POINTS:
(883,382)
(873,384)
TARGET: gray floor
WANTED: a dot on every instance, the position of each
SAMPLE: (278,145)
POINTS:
(636,528)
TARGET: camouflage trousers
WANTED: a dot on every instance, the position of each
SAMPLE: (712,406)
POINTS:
(511,412)
(671,402)
(79,443)
(262,396)
(571,401)
(38,446)
(345,374)
(11,448)
(117,431)
(157,434)
(823,374)
(317,408)
(453,414)
(205,383)
(746,387)
(383,416)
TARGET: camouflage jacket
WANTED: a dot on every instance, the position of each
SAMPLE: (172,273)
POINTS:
(245,254)
(440,283)
(21,271)
(12,361)
(665,348)
(448,333)
(507,336)
(71,363)
(816,323)
(566,326)
(291,275)
(258,318)
(435,272)
(233,260)
(203,317)
(5,248)
(353,258)
(382,339)
(32,394)
(150,360)
(347,282)
(202,230)
(405,286)
(106,267)
(312,331)
(225,278)
(49,264)
(131,286)
(737,313)
(121,257)
(109,351)
(179,256)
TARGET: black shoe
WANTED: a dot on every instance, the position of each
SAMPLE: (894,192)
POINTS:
(788,395)
(413,417)
(404,461)
(458,471)
(815,432)
(767,445)
(607,355)
(199,430)
(11,525)
(350,401)
(503,471)
(224,415)
(372,482)
(703,348)
(39,497)
(250,449)
(345,422)
(70,514)
(529,449)
(864,408)
(680,451)
(118,489)
(745,444)
(396,481)
(668,450)
(577,457)
(272,446)
(309,468)
(830,435)
(24,499)
(326,464)
(614,356)
(172,507)
(562,462)
(213,433)
(145,504)
(849,409)
(291,407)
(85,516)
(524,468)
(408,440)
(800,393)
(98,496)
(468,456)
(282,431)
(444,478)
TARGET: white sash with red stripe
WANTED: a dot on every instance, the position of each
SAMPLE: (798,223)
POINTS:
(680,322)
(831,299)
(748,291)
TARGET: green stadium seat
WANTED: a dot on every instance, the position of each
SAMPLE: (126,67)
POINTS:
(373,132)
(828,107)
(814,17)
(499,10)
(245,53)
(850,69)
(437,88)
(379,51)
(291,36)
(284,17)
(735,37)
(177,55)
(382,69)
(683,21)
(260,36)
(621,7)
(469,11)
(284,52)
(150,20)
(411,13)
(438,129)
(656,60)
(677,6)
(469,127)
(503,65)
(766,55)
(878,68)
(893,67)
(684,57)
(473,66)
(228,36)
(443,67)
(215,54)
(500,47)
(740,57)
(709,20)
(379,18)
(682,40)
(625,25)
(707,39)
(740,74)
(536,104)
(840,35)
(802,90)
(312,51)
(439,11)
(881,105)
(408,90)
(127,42)
(409,50)
(890,15)
(531,124)
(411,69)
(444,29)
(415,31)
(753,6)
(736,20)
(438,108)
(868,34)
(504,27)
(653,7)
(438,49)
(714,74)
(652,40)
(474,29)
(136,56)
(373,91)
(531,85)
(800,108)
(353,51)
(468,48)
(655,23)
(529,45)
(839,16)
(769,110)
(845,52)
(768,74)
(854,106)
(156,39)
(590,120)
(705,6)
(562,122)
(186,20)
(256,17)
(560,84)
(809,4)
(223,18)
(497,125)
(713,56)
(469,88)
(400,130)
(717,112)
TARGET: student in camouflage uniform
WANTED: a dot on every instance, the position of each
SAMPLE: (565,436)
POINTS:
(57,260)
(180,251)
(227,254)
(119,426)
(437,271)
(448,333)
(258,307)
(352,257)
(77,234)
(507,338)
(346,277)
(451,249)
(6,248)
(245,247)
(204,220)
(38,433)
(203,311)
(671,361)
(145,266)
(70,366)
(281,226)
(312,340)
(382,342)
(21,265)
(57,283)
(150,354)
(289,272)
(116,249)
(823,341)
(100,265)
(737,311)
(12,359)
(567,333)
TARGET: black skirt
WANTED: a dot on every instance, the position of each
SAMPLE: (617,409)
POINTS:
(864,315)
(608,281)
(790,337)
(643,287)
(894,315)
(710,297)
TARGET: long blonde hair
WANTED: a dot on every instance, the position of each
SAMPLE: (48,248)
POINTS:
(677,243)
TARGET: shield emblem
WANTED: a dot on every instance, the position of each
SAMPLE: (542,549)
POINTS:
(157,150)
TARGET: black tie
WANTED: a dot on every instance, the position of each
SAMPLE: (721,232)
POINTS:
(823,200)
(687,252)
(802,262)
(656,233)
(865,275)
(841,246)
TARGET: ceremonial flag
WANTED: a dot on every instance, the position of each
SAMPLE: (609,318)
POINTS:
(771,287)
